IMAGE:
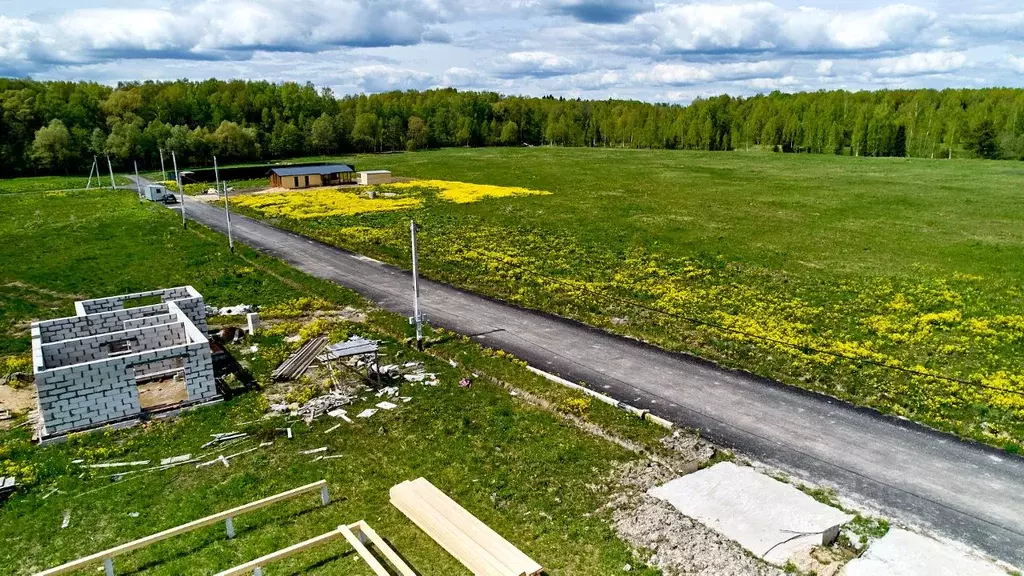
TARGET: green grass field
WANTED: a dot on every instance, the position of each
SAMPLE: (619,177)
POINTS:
(51,183)
(826,272)
(524,470)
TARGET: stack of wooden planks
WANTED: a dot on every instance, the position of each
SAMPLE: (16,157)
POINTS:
(299,362)
(470,541)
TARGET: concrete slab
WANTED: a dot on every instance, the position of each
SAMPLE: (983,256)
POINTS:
(903,553)
(771,519)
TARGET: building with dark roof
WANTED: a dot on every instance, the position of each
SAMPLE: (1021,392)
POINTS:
(310,176)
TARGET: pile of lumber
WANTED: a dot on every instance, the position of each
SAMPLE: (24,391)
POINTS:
(470,541)
(297,363)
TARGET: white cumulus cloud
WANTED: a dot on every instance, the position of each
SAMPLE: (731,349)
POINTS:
(918,63)
(765,27)
(689,74)
(538,64)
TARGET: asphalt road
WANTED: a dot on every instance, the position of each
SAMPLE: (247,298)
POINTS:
(957,489)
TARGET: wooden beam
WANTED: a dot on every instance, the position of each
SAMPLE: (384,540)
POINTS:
(351,534)
(463,535)
(454,539)
(170,532)
(369,558)
(284,552)
(387,551)
(481,533)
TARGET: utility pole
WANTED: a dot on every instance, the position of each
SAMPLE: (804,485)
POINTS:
(92,168)
(163,172)
(111,168)
(181,190)
(417,318)
(138,184)
(227,212)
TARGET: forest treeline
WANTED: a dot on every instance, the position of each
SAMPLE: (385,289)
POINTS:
(57,127)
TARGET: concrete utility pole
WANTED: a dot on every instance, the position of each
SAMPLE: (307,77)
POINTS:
(417,318)
(227,212)
(92,168)
(163,172)
(111,168)
(138,185)
(181,190)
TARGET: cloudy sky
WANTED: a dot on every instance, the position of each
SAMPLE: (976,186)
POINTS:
(655,50)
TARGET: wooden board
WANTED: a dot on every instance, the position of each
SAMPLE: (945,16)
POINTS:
(351,534)
(219,517)
(449,536)
(500,548)
(389,553)
(285,552)
(463,535)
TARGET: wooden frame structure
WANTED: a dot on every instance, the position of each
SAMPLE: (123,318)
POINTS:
(356,534)
(482,550)
(107,556)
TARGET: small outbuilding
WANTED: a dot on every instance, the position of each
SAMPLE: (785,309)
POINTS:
(310,176)
(368,177)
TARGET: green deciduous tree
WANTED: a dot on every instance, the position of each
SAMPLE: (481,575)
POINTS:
(417,136)
(366,132)
(52,145)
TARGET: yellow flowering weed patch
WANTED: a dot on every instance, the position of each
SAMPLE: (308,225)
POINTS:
(465,193)
(322,203)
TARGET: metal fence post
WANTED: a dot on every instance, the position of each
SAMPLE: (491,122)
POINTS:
(325,498)
(108,566)
(231,527)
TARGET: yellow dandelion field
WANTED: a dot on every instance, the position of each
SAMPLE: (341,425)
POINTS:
(465,193)
(322,203)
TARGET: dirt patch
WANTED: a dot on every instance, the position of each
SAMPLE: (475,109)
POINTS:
(164,392)
(662,536)
(347,313)
(17,401)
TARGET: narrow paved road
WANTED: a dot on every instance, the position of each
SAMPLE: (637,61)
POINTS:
(957,489)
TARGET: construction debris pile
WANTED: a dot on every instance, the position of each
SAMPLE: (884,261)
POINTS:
(357,356)
(410,372)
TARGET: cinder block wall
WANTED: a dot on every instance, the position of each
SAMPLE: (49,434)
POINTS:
(199,378)
(143,371)
(79,385)
(187,298)
(90,348)
(84,395)
(150,321)
(82,326)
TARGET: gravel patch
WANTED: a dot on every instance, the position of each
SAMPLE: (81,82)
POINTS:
(661,535)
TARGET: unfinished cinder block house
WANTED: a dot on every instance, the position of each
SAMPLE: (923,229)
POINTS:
(89,368)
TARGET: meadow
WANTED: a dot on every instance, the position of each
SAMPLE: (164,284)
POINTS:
(50,183)
(892,283)
(523,469)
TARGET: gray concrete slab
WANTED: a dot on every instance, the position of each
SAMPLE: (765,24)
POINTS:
(904,553)
(773,520)
(958,489)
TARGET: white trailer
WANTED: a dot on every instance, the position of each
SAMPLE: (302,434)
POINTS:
(159,193)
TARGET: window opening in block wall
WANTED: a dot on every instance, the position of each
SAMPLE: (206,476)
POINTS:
(142,301)
(120,347)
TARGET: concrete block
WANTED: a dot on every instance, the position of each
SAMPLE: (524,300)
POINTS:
(904,553)
(760,513)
